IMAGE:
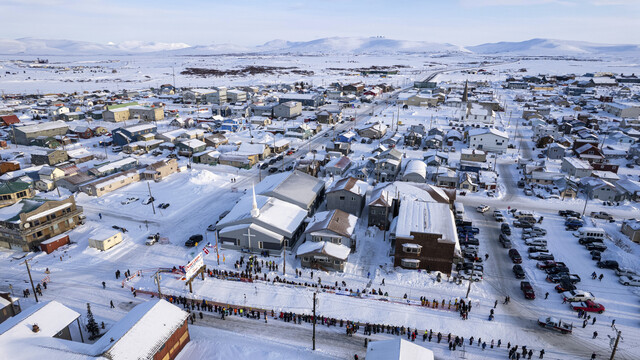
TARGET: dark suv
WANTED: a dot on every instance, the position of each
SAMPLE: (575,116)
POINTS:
(193,240)
(518,271)
(607,264)
(515,256)
(506,229)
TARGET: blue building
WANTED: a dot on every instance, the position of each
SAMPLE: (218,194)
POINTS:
(347,137)
(232,125)
(140,132)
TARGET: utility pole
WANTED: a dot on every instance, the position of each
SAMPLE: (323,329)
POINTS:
(284,256)
(217,253)
(26,262)
(157,275)
(313,337)
(615,345)
(471,279)
(152,199)
(586,200)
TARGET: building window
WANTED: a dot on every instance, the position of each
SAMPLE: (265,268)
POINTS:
(411,248)
(410,263)
(342,198)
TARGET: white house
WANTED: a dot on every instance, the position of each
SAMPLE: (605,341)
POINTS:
(488,139)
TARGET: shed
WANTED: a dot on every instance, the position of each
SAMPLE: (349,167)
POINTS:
(55,242)
(106,243)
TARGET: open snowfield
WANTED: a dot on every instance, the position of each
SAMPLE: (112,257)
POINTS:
(199,194)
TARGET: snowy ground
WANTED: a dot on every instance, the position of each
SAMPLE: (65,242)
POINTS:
(200,194)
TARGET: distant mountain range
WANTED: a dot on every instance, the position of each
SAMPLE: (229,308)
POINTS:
(333,45)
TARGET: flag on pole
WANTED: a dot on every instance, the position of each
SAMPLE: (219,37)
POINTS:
(206,251)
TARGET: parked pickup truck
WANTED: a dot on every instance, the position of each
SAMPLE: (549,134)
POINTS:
(601,215)
(555,324)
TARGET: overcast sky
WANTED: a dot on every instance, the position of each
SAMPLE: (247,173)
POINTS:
(253,22)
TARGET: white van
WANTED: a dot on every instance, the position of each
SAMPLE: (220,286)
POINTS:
(589,232)
(459,210)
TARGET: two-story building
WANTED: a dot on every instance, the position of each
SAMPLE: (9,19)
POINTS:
(29,222)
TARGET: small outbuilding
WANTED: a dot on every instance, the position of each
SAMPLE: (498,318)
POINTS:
(106,243)
(55,242)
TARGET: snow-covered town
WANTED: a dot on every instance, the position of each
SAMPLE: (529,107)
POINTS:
(343,198)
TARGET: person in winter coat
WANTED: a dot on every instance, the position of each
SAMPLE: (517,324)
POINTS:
(530,353)
(541,353)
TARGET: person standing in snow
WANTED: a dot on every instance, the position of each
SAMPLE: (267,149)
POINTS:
(104,285)
(111,302)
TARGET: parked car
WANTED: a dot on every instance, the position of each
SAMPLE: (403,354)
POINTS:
(505,229)
(565,285)
(506,243)
(589,240)
(498,216)
(557,269)
(548,264)
(515,256)
(541,256)
(595,255)
(264,165)
(482,208)
(607,264)
(626,271)
(470,276)
(518,271)
(527,290)
(152,239)
(577,295)
(601,215)
(536,249)
(129,200)
(596,246)
(536,231)
(629,280)
(211,227)
(528,192)
(535,242)
(567,213)
(555,324)
(193,240)
(273,170)
(522,224)
(588,306)
(556,278)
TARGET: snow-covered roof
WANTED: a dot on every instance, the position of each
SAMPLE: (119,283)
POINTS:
(51,317)
(397,349)
(426,217)
(336,221)
(324,247)
(140,333)
(276,215)
(351,184)
(295,187)
(193,143)
(42,127)
(577,163)
(116,164)
(139,127)
(416,167)
(483,131)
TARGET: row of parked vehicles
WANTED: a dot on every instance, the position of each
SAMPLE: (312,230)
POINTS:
(472,268)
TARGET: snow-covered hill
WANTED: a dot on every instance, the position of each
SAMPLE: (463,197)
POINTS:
(32,46)
(332,45)
(359,45)
(552,47)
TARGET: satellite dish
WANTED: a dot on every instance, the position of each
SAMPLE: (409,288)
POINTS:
(27,225)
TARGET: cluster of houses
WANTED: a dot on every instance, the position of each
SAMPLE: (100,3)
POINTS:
(281,214)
